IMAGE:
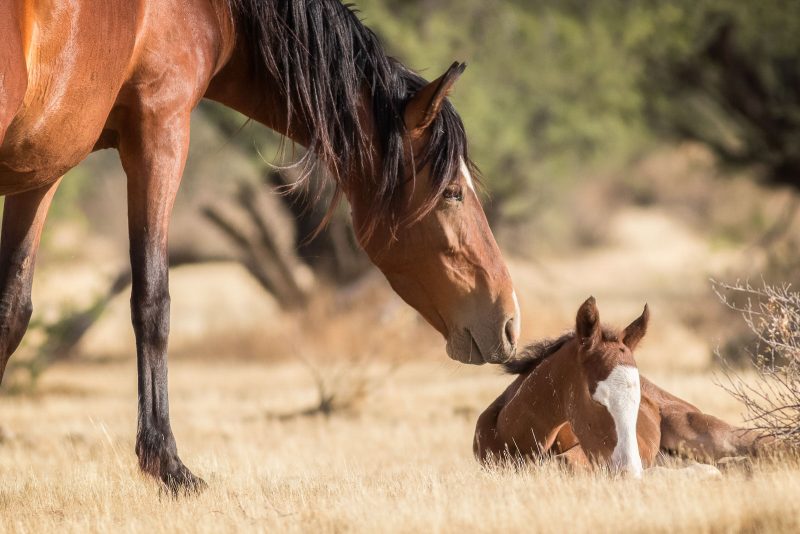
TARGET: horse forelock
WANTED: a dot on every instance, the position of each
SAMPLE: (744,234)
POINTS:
(323,58)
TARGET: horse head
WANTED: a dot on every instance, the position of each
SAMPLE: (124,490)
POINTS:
(612,379)
(441,257)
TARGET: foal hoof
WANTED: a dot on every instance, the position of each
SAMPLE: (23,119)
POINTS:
(183,482)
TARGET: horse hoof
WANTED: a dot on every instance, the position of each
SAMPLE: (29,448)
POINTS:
(183,482)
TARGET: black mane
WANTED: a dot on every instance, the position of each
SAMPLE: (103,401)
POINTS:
(535,353)
(538,351)
(323,57)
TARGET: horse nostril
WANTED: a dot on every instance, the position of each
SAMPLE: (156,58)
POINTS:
(511,332)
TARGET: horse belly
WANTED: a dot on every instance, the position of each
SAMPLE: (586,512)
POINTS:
(77,58)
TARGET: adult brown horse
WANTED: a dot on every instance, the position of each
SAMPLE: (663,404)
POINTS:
(83,75)
(581,397)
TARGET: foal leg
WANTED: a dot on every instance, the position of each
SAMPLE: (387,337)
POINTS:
(688,431)
(23,219)
(153,152)
(574,458)
(486,444)
(495,443)
(705,437)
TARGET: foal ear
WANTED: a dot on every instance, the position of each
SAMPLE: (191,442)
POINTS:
(635,331)
(423,108)
(587,323)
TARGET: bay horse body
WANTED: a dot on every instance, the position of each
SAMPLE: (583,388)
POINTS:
(580,397)
(83,75)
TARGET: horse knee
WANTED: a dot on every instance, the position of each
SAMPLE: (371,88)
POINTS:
(23,320)
(480,449)
(14,325)
(150,317)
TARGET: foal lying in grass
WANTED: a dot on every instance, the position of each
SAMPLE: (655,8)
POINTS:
(580,397)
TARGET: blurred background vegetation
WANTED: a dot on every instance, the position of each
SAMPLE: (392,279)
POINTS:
(559,92)
(576,112)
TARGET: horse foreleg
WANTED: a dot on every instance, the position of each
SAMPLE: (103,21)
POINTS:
(574,458)
(153,153)
(487,445)
(23,218)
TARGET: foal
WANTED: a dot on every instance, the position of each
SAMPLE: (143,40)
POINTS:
(581,398)
(587,383)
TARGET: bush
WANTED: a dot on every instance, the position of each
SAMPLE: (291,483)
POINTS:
(772,398)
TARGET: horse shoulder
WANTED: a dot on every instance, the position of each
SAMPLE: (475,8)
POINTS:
(648,429)
(180,45)
(666,401)
(76,56)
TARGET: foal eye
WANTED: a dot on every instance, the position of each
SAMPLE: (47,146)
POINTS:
(453,192)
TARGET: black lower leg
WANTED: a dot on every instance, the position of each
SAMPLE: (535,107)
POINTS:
(15,314)
(23,218)
(155,443)
(153,151)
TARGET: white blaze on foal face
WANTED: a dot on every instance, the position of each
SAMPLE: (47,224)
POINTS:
(621,393)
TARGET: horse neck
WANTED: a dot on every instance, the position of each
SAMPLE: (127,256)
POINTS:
(570,386)
(257,97)
(261,99)
(559,381)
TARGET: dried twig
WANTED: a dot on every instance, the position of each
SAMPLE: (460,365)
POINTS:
(772,398)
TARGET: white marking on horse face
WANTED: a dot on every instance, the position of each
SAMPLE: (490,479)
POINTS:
(517,315)
(467,175)
(621,393)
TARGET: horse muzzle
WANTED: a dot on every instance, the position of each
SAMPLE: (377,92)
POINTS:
(468,346)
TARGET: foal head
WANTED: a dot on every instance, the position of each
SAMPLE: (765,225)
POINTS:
(441,256)
(607,365)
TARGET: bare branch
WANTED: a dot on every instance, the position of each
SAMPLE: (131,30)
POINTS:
(771,396)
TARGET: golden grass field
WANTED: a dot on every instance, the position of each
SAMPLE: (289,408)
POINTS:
(401,463)
(401,459)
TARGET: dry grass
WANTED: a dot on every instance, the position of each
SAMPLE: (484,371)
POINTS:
(401,459)
(403,463)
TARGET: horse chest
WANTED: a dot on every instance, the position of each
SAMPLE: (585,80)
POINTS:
(42,144)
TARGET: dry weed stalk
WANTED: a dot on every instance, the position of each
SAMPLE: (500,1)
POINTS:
(343,387)
(772,398)
(340,355)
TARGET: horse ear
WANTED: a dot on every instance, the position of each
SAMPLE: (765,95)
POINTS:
(423,108)
(587,323)
(635,331)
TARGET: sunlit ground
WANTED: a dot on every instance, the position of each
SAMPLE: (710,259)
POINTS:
(396,454)
(401,461)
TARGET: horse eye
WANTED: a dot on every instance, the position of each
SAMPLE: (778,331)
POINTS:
(453,192)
